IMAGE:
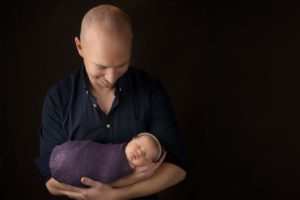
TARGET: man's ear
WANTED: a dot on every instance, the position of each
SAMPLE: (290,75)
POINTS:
(78,46)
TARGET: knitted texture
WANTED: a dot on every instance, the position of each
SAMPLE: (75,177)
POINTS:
(102,162)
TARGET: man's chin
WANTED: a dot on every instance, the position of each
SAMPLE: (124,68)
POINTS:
(108,86)
(105,85)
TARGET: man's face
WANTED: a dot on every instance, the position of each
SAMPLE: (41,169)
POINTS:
(106,56)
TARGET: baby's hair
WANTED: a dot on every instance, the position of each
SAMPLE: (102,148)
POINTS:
(160,149)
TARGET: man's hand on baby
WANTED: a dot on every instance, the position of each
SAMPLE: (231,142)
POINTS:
(145,172)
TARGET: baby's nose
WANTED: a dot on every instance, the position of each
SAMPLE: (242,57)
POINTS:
(140,152)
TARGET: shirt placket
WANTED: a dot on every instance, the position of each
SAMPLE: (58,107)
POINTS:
(106,118)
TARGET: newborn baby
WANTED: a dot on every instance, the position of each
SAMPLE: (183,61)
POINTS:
(102,162)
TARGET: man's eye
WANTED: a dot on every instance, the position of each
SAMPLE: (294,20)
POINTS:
(99,67)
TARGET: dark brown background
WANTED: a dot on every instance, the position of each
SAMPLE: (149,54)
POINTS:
(230,67)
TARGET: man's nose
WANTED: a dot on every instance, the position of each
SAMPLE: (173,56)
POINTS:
(110,76)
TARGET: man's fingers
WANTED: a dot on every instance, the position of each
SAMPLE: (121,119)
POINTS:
(77,192)
(72,195)
(72,188)
(160,161)
(162,158)
(89,182)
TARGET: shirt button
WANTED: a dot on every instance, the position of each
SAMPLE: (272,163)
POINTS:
(87,92)
(107,125)
(120,89)
(95,105)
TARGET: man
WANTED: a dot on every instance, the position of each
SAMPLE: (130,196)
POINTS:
(109,102)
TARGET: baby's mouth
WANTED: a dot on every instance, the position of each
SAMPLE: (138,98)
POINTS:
(134,156)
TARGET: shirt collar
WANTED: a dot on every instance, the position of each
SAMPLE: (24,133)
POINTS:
(83,77)
(121,83)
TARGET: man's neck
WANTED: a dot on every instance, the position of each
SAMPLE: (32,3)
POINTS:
(98,89)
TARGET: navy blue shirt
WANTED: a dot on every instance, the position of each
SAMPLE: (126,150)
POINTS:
(141,104)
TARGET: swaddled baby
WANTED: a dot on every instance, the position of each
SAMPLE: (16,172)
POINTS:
(102,162)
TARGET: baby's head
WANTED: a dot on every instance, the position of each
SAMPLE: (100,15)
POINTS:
(143,149)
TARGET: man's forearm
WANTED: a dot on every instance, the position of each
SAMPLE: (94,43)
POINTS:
(166,176)
(125,181)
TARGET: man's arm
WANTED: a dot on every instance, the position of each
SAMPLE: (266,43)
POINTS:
(140,173)
(165,176)
(162,122)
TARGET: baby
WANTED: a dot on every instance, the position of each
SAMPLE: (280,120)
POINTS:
(103,162)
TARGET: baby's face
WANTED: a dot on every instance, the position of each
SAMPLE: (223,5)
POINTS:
(141,151)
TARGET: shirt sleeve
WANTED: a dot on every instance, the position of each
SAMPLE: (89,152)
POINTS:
(164,125)
(51,133)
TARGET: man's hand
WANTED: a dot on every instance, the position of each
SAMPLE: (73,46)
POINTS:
(95,191)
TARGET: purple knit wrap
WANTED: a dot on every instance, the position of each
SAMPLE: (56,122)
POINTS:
(102,162)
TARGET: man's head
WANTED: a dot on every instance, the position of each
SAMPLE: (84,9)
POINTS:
(143,149)
(105,45)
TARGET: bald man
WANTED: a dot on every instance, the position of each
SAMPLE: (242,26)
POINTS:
(107,101)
